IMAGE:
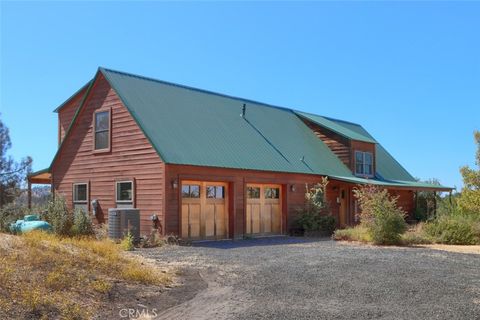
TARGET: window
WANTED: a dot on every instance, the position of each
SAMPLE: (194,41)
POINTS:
(124,191)
(364,163)
(215,192)
(102,130)
(80,193)
(253,192)
(190,191)
(272,193)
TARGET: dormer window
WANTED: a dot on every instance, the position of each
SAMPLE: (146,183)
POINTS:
(364,163)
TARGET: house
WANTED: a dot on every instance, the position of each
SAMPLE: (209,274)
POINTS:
(210,166)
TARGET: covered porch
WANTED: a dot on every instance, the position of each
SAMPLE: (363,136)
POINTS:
(39,177)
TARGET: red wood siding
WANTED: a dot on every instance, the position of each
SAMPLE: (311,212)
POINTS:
(406,201)
(237,179)
(131,157)
(339,145)
(66,113)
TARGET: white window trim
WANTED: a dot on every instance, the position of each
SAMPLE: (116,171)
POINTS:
(73,193)
(363,174)
(116,191)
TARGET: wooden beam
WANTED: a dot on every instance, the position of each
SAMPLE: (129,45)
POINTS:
(29,195)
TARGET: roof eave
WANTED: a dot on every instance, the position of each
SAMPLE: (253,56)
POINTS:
(72,96)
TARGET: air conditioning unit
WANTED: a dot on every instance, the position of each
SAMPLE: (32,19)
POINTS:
(123,220)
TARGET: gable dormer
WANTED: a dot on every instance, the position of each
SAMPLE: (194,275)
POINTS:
(66,111)
(356,151)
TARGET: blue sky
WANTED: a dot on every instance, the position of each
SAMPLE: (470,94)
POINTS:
(409,72)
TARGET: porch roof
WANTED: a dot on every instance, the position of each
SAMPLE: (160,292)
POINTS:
(40,177)
(393,183)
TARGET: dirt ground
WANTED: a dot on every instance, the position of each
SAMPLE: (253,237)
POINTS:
(295,278)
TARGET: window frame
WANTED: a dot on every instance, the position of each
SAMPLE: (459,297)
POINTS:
(215,194)
(364,164)
(94,132)
(132,201)
(190,185)
(76,201)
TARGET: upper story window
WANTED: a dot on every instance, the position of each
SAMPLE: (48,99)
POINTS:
(364,163)
(102,130)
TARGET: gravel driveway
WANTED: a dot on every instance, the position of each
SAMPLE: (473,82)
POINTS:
(293,278)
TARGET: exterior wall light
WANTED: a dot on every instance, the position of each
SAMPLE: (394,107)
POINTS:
(292,188)
(174,183)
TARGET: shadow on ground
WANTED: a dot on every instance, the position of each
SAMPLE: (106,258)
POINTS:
(257,242)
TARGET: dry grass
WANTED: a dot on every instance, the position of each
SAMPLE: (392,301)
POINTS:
(51,277)
(358,234)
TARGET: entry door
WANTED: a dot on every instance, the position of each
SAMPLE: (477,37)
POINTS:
(343,207)
(204,210)
(264,209)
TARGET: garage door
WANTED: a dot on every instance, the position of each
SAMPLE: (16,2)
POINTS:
(204,210)
(264,209)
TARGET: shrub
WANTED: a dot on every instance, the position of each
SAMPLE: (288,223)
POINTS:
(315,216)
(416,235)
(82,223)
(9,214)
(384,220)
(327,224)
(127,242)
(453,229)
(58,216)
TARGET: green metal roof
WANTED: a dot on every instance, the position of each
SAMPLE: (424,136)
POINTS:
(335,127)
(195,127)
(72,96)
(190,126)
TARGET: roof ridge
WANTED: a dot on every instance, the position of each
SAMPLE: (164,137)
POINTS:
(224,95)
(344,121)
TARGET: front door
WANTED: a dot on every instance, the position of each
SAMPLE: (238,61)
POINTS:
(204,210)
(264,209)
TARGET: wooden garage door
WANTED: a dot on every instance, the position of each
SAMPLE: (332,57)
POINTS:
(204,210)
(264,209)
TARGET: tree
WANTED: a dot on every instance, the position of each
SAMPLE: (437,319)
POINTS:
(469,200)
(12,173)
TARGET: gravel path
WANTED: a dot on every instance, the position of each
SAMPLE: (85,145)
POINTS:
(289,278)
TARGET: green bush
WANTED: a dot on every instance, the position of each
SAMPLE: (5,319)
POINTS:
(454,229)
(58,216)
(380,215)
(315,216)
(327,224)
(82,224)
(11,213)
(127,242)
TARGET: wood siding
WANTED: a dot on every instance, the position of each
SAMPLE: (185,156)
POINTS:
(339,145)
(292,201)
(131,158)
(66,113)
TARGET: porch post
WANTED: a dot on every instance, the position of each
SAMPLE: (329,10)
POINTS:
(29,192)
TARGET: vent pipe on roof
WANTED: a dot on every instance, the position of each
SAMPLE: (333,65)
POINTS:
(244,109)
(302,159)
